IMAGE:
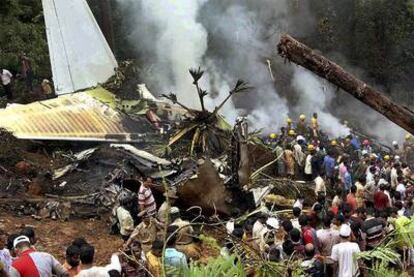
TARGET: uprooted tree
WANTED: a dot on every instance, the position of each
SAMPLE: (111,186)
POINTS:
(296,52)
(208,131)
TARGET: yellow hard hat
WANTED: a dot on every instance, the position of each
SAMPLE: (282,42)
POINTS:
(408,136)
(289,120)
(311,147)
(292,132)
(387,157)
(273,135)
(302,117)
(334,142)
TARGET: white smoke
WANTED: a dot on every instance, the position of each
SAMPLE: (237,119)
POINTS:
(241,38)
(315,95)
(232,40)
(177,42)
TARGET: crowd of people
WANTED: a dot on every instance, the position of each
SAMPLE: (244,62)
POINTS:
(363,193)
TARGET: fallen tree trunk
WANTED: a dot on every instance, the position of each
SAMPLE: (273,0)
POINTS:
(302,55)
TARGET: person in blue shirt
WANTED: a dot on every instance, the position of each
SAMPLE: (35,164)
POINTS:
(175,261)
(348,182)
(355,142)
(329,167)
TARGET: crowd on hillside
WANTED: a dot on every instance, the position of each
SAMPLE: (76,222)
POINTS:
(372,201)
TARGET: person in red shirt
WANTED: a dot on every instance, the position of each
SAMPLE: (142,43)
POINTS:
(31,263)
(308,233)
(381,200)
(351,199)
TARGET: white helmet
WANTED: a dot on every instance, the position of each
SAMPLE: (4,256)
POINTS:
(273,222)
(395,143)
(300,138)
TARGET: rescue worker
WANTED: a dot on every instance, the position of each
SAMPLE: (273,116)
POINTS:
(301,126)
(272,139)
(398,151)
(289,123)
(315,125)
(185,233)
(291,139)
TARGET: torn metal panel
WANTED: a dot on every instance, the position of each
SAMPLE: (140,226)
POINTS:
(85,116)
(147,158)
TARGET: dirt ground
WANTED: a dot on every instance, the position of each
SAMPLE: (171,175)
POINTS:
(54,236)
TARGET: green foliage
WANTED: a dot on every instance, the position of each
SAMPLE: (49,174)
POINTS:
(23,30)
(383,253)
(209,241)
(381,269)
(373,35)
(217,267)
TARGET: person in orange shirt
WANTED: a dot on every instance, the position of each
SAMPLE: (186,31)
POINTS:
(351,199)
(72,262)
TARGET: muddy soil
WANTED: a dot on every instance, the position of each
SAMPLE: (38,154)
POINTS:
(54,236)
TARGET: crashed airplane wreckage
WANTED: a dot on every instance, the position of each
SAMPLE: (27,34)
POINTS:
(208,163)
(85,112)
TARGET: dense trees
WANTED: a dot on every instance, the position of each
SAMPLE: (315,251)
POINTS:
(376,36)
(22,30)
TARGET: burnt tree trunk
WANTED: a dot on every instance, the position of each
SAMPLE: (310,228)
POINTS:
(296,52)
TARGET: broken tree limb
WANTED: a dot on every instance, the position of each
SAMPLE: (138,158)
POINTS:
(296,52)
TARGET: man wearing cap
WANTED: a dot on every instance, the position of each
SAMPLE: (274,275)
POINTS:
(185,235)
(145,232)
(343,254)
(126,222)
(267,235)
(170,198)
(31,263)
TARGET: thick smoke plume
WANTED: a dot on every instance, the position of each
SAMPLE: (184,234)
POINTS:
(316,96)
(236,40)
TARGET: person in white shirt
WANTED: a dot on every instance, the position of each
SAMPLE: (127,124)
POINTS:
(259,225)
(299,202)
(89,270)
(6,78)
(5,256)
(126,222)
(343,254)
(394,175)
(401,187)
(320,186)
